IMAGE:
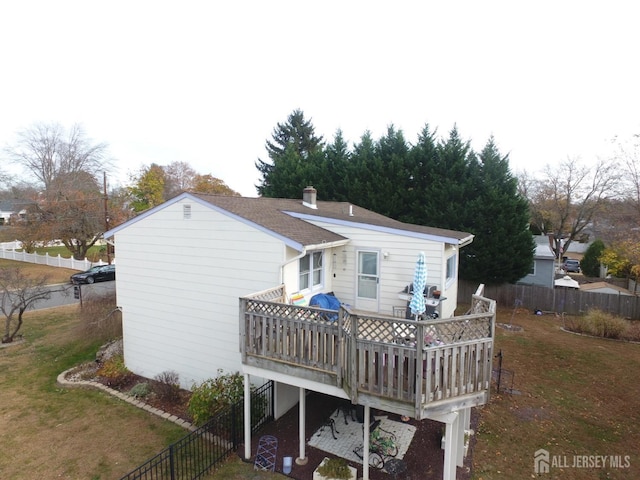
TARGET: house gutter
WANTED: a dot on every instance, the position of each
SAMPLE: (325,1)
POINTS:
(466,241)
(297,257)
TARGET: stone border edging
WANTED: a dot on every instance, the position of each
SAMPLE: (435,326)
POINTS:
(63,382)
(620,340)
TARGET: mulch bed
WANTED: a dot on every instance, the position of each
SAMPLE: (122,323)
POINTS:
(424,458)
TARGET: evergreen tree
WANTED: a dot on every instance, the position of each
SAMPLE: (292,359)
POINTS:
(449,188)
(332,182)
(590,263)
(503,247)
(421,171)
(439,184)
(361,171)
(392,188)
(296,154)
(380,173)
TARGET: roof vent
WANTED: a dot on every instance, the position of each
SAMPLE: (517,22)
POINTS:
(309,197)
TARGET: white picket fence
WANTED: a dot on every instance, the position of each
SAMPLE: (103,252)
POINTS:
(12,251)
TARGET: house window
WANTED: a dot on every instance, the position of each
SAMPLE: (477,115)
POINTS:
(451,269)
(532,271)
(311,271)
(186,212)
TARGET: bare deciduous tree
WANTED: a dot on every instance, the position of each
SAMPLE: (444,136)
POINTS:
(569,195)
(179,177)
(629,157)
(48,152)
(18,293)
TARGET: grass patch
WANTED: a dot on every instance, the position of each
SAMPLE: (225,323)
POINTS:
(54,274)
(236,469)
(54,432)
(94,254)
(578,397)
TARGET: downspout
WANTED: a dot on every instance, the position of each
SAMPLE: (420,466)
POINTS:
(294,259)
(326,246)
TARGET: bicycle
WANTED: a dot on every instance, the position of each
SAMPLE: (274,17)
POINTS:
(381,447)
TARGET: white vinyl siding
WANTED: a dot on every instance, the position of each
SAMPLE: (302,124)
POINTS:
(178,286)
(396,267)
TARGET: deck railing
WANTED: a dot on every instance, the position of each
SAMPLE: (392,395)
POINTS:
(402,361)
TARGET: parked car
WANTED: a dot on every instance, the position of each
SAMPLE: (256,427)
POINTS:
(571,265)
(99,273)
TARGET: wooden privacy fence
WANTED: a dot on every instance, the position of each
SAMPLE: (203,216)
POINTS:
(568,300)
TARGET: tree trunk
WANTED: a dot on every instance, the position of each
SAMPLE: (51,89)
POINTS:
(7,327)
(8,334)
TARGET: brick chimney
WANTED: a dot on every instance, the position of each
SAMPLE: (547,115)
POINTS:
(309,197)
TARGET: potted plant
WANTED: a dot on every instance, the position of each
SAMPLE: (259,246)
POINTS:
(334,469)
(436,293)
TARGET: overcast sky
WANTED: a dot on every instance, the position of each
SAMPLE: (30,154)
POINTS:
(206,82)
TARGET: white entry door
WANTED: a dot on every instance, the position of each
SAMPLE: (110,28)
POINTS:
(368,280)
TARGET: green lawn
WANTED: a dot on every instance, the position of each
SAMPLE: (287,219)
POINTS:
(577,397)
(49,432)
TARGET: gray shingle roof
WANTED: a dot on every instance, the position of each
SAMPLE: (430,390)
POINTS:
(280,215)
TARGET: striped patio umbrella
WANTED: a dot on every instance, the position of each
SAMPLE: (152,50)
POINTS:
(417,304)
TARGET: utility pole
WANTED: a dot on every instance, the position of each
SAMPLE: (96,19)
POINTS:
(106,215)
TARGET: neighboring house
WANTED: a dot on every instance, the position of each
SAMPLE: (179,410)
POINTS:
(192,270)
(604,287)
(12,209)
(543,268)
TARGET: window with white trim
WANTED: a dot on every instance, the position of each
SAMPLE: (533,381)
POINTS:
(451,269)
(311,271)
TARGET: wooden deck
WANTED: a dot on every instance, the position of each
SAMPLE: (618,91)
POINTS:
(385,362)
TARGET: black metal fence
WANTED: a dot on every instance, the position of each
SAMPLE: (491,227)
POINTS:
(560,300)
(207,447)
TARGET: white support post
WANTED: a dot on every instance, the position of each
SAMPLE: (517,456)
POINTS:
(247,417)
(302,457)
(451,448)
(460,440)
(466,415)
(365,443)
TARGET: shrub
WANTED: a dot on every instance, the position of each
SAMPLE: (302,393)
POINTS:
(140,390)
(101,318)
(114,371)
(605,325)
(633,332)
(213,394)
(599,324)
(335,468)
(167,385)
(590,263)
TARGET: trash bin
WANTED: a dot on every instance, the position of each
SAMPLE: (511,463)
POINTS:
(286,465)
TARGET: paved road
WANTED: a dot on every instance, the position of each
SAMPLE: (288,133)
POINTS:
(63,294)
